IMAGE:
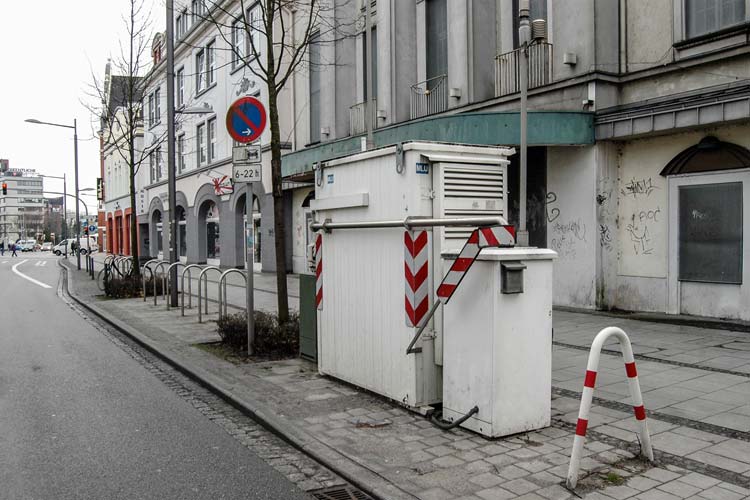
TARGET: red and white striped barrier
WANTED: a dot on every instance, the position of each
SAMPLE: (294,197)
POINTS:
(416,267)
(496,236)
(319,271)
(588,393)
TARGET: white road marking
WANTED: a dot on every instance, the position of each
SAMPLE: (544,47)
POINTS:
(41,263)
(19,273)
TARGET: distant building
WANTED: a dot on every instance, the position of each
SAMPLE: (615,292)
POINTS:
(22,209)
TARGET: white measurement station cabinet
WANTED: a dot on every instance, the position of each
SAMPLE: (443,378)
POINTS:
(362,328)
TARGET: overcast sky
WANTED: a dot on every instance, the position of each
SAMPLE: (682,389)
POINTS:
(48,50)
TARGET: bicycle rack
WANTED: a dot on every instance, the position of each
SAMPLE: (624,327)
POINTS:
(160,265)
(143,274)
(200,277)
(188,270)
(169,282)
(223,286)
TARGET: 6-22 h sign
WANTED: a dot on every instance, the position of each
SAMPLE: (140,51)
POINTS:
(247,173)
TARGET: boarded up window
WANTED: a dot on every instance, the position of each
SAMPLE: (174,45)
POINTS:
(711,233)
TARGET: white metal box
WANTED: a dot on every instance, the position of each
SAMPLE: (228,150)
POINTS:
(498,346)
(362,330)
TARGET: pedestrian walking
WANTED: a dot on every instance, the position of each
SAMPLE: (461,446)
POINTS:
(13,250)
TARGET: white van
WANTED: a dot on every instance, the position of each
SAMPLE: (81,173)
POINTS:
(59,249)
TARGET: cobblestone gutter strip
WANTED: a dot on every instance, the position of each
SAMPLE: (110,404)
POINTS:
(363,478)
(646,357)
(672,419)
(664,458)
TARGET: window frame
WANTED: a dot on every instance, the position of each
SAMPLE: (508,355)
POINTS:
(254,23)
(180,153)
(200,71)
(200,141)
(180,86)
(238,43)
(687,36)
(210,63)
(211,140)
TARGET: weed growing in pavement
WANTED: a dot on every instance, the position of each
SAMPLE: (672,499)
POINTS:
(272,339)
(129,287)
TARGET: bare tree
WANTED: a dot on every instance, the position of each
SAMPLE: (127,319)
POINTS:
(276,35)
(120,102)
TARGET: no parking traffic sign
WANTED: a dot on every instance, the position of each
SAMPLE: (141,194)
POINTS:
(246,119)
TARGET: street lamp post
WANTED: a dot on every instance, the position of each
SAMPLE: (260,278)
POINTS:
(171,174)
(75,152)
(65,204)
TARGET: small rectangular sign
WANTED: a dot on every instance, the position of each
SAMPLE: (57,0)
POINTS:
(246,154)
(247,173)
(423,168)
(330,178)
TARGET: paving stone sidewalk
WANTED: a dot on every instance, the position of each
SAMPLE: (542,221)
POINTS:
(401,455)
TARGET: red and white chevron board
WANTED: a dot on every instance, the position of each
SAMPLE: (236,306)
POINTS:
(319,271)
(416,266)
(496,236)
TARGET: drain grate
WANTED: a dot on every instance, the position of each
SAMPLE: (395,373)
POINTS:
(340,493)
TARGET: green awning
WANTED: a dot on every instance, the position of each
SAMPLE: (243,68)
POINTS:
(556,128)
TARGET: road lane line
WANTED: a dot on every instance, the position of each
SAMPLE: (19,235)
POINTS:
(19,273)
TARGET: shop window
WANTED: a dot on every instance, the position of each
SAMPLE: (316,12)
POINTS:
(710,225)
(213,249)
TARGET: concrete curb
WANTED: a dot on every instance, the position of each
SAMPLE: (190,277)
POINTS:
(346,467)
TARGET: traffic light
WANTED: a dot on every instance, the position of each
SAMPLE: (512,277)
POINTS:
(5,188)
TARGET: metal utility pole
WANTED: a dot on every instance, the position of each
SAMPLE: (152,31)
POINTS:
(78,219)
(524,36)
(369,111)
(171,181)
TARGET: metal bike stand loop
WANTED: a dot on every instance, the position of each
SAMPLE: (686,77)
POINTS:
(169,281)
(143,274)
(188,269)
(200,278)
(223,289)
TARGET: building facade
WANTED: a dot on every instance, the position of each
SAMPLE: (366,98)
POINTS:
(639,131)
(22,209)
(212,212)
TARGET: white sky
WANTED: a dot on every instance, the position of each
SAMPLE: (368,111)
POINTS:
(48,51)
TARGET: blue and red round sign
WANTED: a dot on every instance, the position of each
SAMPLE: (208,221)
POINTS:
(246,119)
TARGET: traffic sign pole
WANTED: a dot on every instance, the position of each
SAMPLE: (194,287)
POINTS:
(246,121)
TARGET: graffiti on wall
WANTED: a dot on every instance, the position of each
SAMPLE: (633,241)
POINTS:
(639,187)
(567,235)
(640,230)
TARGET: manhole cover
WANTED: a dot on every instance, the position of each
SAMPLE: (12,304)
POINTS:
(340,493)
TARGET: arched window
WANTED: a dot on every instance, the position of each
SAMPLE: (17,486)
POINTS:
(709,155)
(213,249)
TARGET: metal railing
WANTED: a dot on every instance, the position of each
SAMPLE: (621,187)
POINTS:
(169,285)
(189,272)
(200,278)
(358,116)
(411,222)
(507,77)
(223,289)
(429,97)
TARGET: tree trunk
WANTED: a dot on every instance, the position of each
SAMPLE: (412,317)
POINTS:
(278,208)
(136,268)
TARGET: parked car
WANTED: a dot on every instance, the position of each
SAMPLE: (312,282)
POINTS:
(46,246)
(59,249)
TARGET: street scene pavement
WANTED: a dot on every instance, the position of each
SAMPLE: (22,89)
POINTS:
(84,415)
(695,382)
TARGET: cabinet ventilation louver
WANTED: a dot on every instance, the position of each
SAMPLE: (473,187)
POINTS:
(472,191)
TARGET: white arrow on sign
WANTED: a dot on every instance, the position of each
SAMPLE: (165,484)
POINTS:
(247,132)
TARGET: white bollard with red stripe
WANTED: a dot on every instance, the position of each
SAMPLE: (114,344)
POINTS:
(588,393)
(319,271)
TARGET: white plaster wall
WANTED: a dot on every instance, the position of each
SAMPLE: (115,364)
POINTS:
(572,223)
(644,280)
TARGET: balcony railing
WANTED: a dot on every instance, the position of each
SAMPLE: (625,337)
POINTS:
(429,97)
(507,65)
(357,113)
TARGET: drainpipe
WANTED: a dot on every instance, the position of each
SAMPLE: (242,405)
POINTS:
(524,35)
(368,65)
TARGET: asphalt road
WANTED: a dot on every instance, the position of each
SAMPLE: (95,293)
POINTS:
(80,419)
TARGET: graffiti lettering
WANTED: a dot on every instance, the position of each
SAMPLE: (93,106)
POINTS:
(647,215)
(575,228)
(640,236)
(605,237)
(554,212)
(639,187)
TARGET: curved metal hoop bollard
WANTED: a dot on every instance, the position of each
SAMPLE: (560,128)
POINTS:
(588,393)
(188,269)
(169,282)
(200,278)
(151,272)
(223,289)
(160,265)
